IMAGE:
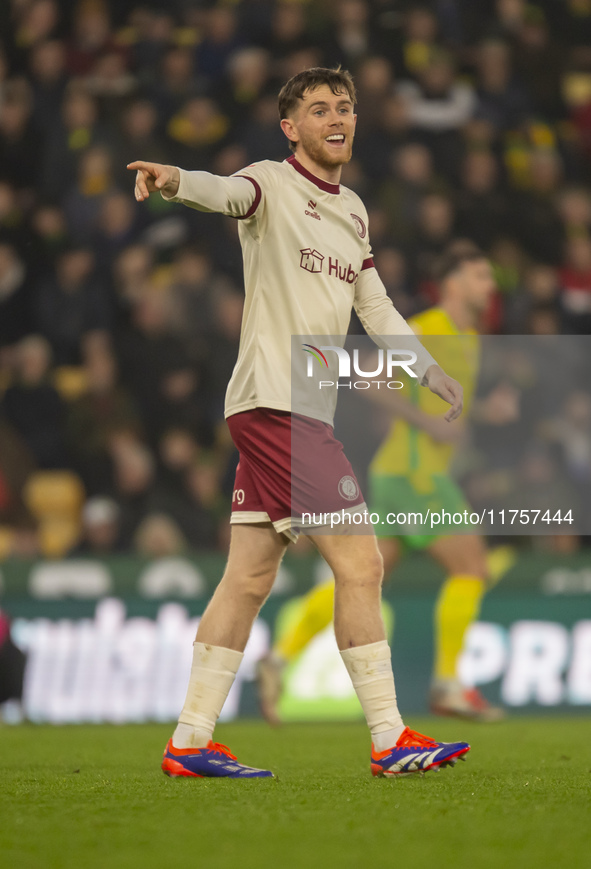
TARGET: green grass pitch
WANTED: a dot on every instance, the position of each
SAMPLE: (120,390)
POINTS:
(93,797)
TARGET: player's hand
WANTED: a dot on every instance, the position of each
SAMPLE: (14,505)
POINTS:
(446,388)
(152,177)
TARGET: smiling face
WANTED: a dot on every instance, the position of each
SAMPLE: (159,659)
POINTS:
(322,126)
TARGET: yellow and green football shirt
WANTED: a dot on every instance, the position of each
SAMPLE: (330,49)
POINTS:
(407,450)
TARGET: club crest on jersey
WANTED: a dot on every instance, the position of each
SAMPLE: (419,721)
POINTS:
(311,260)
(348,488)
(312,213)
(359,225)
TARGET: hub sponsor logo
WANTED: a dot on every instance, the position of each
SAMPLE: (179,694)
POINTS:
(311,260)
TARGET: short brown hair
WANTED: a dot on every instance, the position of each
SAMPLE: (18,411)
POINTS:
(459,252)
(340,81)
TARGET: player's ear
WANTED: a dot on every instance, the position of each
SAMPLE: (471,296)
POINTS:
(289,129)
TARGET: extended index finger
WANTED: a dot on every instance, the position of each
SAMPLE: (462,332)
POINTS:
(141,164)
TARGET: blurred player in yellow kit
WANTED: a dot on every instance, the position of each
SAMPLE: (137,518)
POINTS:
(410,473)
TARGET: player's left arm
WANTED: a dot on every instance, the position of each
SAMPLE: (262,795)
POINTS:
(389,330)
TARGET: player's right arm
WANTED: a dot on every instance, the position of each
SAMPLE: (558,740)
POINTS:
(152,177)
(237,196)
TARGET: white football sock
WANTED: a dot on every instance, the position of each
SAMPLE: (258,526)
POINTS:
(212,675)
(370,669)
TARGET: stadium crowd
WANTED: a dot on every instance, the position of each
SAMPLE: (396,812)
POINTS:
(119,323)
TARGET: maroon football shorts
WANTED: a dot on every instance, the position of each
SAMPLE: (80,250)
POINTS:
(289,465)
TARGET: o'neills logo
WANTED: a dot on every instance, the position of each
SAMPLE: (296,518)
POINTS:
(312,213)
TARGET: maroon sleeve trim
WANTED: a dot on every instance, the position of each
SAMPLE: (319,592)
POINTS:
(257,198)
(367,263)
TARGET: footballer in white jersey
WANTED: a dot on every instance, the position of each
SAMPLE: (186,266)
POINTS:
(307,264)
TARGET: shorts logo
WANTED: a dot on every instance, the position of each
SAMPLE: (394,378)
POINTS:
(348,488)
(311,260)
(359,225)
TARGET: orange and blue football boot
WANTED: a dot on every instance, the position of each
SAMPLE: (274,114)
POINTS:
(415,753)
(214,761)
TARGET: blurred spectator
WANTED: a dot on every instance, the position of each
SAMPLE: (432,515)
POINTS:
(535,220)
(83,202)
(35,22)
(481,207)
(15,292)
(247,74)
(49,236)
(194,132)
(110,80)
(435,232)
(541,291)
(501,100)
(223,348)
(67,138)
(117,226)
(261,133)
(70,303)
(16,464)
(131,273)
(139,135)
(48,72)
(574,209)
(221,40)
(175,84)
(20,148)
(402,195)
(419,38)
(540,62)
(575,279)
(392,269)
(158,536)
(33,406)
(100,533)
(153,35)
(158,370)
(288,29)
(102,410)
(438,106)
(12,223)
(375,85)
(193,292)
(91,36)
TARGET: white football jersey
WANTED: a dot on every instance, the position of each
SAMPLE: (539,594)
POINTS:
(307,263)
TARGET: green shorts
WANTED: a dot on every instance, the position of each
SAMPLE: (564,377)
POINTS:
(394,497)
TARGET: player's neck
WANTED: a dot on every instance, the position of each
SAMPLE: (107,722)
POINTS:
(332,175)
(460,315)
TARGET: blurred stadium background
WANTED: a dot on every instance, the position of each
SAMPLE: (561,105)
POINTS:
(119,323)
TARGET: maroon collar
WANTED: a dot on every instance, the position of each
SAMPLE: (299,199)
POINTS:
(324,185)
